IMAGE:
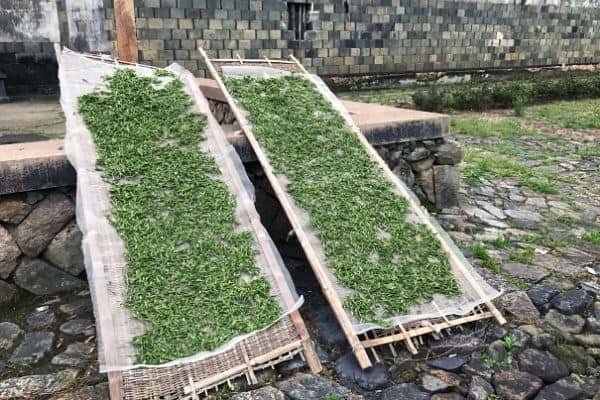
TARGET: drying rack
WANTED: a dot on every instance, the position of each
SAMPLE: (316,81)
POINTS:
(282,341)
(410,334)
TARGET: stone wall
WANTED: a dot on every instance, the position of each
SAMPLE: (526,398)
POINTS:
(365,37)
(428,167)
(370,36)
(40,244)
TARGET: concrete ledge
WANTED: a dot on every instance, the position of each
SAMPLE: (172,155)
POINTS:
(380,124)
(33,166)
(385,124)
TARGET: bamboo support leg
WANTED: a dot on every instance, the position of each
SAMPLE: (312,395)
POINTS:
(115,385)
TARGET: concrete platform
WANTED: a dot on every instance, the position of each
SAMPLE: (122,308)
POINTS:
(380,124)
(43,164)
(34,166)
(385,124)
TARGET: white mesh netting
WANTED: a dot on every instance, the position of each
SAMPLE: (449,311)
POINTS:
(441,306)
(104,251)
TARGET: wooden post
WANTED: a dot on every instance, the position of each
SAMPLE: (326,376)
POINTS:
(127,48)
(115,385)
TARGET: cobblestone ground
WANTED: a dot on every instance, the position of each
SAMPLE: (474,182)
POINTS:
(528,219)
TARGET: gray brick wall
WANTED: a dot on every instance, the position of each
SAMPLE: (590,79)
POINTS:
(375,36)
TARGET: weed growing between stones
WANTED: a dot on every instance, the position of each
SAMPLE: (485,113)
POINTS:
(387,262)
(592,236)
(191,274)
(480,252)
(484,164)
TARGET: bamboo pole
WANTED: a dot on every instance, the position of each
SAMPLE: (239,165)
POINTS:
(201,384)
(100,290)
(286,203)
(299,64)
(250,60)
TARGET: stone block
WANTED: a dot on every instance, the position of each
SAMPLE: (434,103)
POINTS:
(447,185)
(35,165)
(43,223)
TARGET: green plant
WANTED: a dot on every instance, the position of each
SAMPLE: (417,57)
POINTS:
(333,396)
(490,362)
(486,261)
(547,238)
(518,104)
(511,345)
(589,151)
(592,236)
(191,272)
(501,242)
(565,219)
(524,256)
(583,114)
(484,164)
(509,93)
(501,128)
(387,263)
(494,397)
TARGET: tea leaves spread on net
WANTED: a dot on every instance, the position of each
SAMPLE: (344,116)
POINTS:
(389,263)
(190,273)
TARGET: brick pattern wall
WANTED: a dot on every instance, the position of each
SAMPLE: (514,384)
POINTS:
(375,36)
(31,65)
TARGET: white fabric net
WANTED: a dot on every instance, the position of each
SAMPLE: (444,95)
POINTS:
(104,251)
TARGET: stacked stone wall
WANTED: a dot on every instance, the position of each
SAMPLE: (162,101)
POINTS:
(40,244)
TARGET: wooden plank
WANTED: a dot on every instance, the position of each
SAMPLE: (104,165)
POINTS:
(115,385)
(286,203)
(127,47)
(268,251)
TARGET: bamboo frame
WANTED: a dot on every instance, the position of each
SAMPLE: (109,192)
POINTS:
(382,337)
(282,341)
(286,203)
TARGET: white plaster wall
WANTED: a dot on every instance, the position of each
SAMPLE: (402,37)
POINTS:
(28,20)
(86,25)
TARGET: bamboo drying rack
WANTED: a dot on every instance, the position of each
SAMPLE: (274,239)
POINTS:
(282,341)
(411,334)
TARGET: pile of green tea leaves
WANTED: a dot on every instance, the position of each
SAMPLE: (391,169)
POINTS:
(387,262)
(191,274)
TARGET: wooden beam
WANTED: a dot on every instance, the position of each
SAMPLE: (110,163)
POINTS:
(127,47)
